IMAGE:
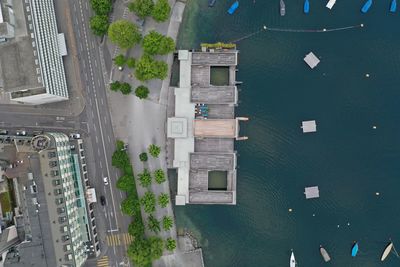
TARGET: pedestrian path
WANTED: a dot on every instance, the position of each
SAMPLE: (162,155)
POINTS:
(103,261)
(122,239)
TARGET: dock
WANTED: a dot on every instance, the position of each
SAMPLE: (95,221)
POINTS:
(309,126)
(311,192)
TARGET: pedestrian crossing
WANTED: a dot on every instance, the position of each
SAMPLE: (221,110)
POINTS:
(115,240)
(103,262)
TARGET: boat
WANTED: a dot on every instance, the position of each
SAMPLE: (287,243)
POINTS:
(324,254)
(282,7)
(233,7)
(330,4)
(387,250)
(393,6)
(306,7)
(366,6)
(211,3)
(292,260)
(354,249)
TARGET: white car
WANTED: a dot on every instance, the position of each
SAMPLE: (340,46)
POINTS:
(75,136)
(105,180)
(21,133)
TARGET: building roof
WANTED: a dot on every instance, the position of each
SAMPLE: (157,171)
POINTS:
(309,126)
(220,58)
(214,94)
(311,192)
(311,60)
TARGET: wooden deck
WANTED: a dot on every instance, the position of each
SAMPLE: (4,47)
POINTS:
(215,128)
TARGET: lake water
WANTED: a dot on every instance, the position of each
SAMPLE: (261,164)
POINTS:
(348,159)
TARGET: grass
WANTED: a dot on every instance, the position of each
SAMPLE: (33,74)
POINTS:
(5,202)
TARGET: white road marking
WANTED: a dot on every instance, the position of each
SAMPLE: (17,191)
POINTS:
(101,165)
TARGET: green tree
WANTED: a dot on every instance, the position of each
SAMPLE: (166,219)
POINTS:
(101,7)
(126,183)
(143,157)
(136,229)
(170,244)
(147,68)
(119,145)
(140,253)
(153,224)
(161,11)
(163,200)
(142,8)
(145,178)
(142,92)
(159,176)
(99,24)
(167,222)
(130,205)
(154,150)
(123,33)
(115,86)
(148,202)
(125,88)
(120,159)
(156,247)
(120,60)
(155,43)
(131,62)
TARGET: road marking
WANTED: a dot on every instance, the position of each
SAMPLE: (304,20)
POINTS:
(101,165)
(97,139)
(105,120)
(120,193)
(112,214)
(128,239)
(98,151)
(103,262)
(102,101)
(119,239)
(109,139)
(113,240)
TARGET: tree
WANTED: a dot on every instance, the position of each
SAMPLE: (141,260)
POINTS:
(142,92)
(142,8)
(153,224)
(161,11)
(163,200)
(154,150)
(143,157)
(147,68)
(119,60)
(148,202)
(125,88)
(123,33)
(114,86)
(99,24)
(131,62)
(156,247)
(120,159)
(155,43)
(167,222)
(139,252)
(136,229)
(126,183)
(159,176)
(101,7)
(145,178)
(130,205)
(170,244)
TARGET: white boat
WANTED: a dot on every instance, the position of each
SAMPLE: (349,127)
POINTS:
(387,250)
(330,4)
(292,260)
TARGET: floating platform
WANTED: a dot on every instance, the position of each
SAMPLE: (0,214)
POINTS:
(330,4)
(311,192)
(311,60)
(309,126)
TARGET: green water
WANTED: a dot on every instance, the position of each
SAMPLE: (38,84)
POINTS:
(346,158)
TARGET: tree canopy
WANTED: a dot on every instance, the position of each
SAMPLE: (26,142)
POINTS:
(154,150)
(131,62)
(124,33)
(163,200)
(145,178)
(142,92)
(143,157)
(101,7)
(167,222)
(161,11)
(125,88)
(142,8)
(126,183)
(170,244)
(120,60)
(136,228)
(99,24)
(153,224)
(159,176)
(130,205)
(155,43)
(120,159)
(148,202)
(147,68)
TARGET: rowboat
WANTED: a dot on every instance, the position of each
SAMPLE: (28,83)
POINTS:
(306,7)
(393,6)
(324,254)
(387,250)
(354,249)
(292,260)
(366,6)
(233,7)
(282,7)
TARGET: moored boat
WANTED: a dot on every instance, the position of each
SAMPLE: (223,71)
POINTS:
(233,7)
(324,254)
(211,3)
(292,260)
(306,7)
(387,250)
(282,7)
(366,6)
(354,249)
(393,6)
(330,4)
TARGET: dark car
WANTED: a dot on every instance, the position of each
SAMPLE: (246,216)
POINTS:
(103,200)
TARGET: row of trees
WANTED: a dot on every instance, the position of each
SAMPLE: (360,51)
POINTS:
(159,10)
(124,88)
(99,22)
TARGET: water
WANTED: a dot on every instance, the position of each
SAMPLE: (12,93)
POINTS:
(346,158)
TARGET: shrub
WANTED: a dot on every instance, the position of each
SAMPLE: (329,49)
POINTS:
(143,157)
(125,88)
(153,224)
(145,178)
(142,92)
(167,222)
(148,202)
(159,176)
(154,150)
(163,200)
(114,86)
(170,244)
(124,33)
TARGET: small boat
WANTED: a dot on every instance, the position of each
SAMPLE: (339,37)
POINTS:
(211,3)
(354,249)
(292,260)
(330,4)
(306,7)
(282,7)
(233,7)
(324,254)
(366,6)
(387,250)
(393,6)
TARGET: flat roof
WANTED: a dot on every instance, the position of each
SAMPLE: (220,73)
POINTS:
(309,126)
(213,161)
(215,128)
(214,94)
(218,58)
(311,60)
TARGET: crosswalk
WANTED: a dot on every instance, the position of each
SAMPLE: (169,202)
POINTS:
(103,262)
(115,240)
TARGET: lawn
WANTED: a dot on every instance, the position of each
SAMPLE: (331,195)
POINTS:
(5,202)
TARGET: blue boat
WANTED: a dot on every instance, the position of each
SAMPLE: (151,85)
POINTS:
(393,6)
(233,7)
(211,3)
(366,6)
(354,249)
(306,8)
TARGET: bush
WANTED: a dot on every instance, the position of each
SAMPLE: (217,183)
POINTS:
(101,7)
(126,183)
(163,200)
(142,8)
(170,244)
(120,60)
(131,62)
(142,92)
(136,229)
(147,68)
(99,24)
(125,88)
(148,202)
(167,222)
(153,224)
(143,157)
(145,178)
(159,176)
(123,33)
(114,86)
(154,150)
(161,11)
(155,43)
(130,205)
(120,159)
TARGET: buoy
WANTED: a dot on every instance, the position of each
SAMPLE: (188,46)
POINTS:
(324,30)
(374,127)
(348,224)
(313,215)
(265,27)
(290,210)
(367,75)
(338,226)
(377,193)
(362,25)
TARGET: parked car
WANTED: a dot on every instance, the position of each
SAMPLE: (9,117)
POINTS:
(3,132)
(21,132)
(105,179)
(75,136)
(103,200)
